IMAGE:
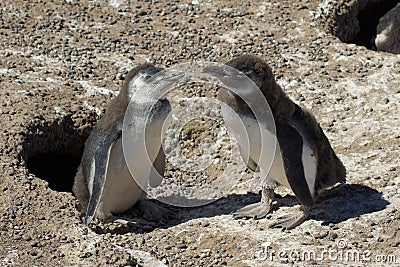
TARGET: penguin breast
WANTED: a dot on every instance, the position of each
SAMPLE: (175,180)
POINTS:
(310,167)
(120,190)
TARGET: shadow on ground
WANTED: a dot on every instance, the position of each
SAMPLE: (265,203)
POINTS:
(341,203)
(349,201)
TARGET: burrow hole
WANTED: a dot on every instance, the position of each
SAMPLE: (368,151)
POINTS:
(368,20)
(53,150)
(377,27)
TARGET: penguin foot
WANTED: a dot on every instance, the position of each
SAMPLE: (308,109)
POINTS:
(155,212)
(122,220)
(291,221)
(257,210)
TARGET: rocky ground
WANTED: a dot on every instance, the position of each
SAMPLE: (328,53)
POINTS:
(62,61)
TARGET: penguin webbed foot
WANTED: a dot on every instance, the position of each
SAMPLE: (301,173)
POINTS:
(127,221)
(290,221)
(257,210)
(117,219)
(154,212)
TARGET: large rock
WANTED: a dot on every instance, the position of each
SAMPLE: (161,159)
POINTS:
(388,31)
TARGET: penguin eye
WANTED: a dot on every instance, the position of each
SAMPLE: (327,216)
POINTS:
(312,155)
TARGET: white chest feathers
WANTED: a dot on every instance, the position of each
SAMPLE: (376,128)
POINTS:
(120,190)
(246,132)
(309,167)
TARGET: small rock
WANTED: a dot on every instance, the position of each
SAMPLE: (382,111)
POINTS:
(33,253)
(181,246)
(140,241)
(206,224)
(26,237)
(85,255)
(17,237)
(333,235)
(321,235)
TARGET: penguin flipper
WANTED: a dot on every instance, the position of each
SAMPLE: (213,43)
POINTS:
(81,191)
(252,165)
(291,145)
(100,164)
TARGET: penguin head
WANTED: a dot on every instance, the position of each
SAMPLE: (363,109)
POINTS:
(150,80)
(135,81)
(261,74)
(145,89)
(255,68)
(139,77)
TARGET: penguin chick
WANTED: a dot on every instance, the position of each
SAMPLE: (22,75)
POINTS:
(103,183)
(304,161)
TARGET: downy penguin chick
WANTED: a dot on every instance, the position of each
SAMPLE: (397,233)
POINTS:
(304,160)
(103,183)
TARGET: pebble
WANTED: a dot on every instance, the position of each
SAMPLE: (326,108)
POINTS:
(17,237)
(26,237)
(205,224)
(333,235)
(182,246)
(85,255)
(33,253)
(34,244)
(321,234)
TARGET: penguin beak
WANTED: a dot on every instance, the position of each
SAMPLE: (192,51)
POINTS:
(233,78)
(170,79)
(224,71)
(173,75)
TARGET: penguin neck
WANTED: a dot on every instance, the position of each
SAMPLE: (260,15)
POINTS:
(236,102)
